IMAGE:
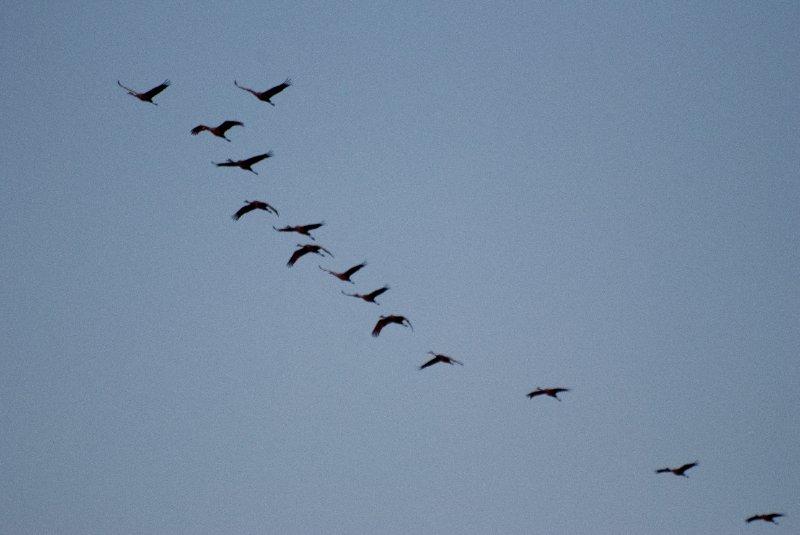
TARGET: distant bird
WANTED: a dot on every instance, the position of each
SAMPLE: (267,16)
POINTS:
(370,297)
(345,275)
(247,164)
(253,205)
(269,93)
(439,358)
(147,96)
(304,250)
(218,131)
(679,471)
(386,320)
(552,392)
(301,229)
(769,517)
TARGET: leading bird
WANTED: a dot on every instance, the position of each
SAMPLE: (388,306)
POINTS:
(265,96)
(148,95)
(679,471)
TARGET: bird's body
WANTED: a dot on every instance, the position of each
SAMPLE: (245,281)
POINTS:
(218,131)
(370,297)
(148,95)
(305,230)
(345,275)
(440,358)
(679,471)
(768,517)
(552,392)
(386,320)
(247,164)
(253,205)
(304,250)
(265,96)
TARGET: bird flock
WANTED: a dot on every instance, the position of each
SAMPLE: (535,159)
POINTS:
(345,276)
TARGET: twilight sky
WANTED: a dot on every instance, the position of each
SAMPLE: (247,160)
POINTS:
(603,196)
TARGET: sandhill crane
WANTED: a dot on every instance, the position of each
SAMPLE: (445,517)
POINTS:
(552,392)
(247,164)
(253,205)
(345,275)
(148,95)
(218,131)
(679,471)
(301,229)
(269,93)
(440,358)
(304,250)
(386,320)
(768,517)
(370,297)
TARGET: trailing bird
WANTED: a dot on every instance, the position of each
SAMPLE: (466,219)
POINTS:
(769,517)
(386,320)
(304,250)
(218,131)
(552,392)
(301,229)
(345,275)
(370,297)
(269,93)
(247,164)
(439,358)
(147,96)
(679,471)
(253,205)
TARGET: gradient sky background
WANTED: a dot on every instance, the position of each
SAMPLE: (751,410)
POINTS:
(601,196)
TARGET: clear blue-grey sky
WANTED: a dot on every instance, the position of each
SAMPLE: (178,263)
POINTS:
(602,196)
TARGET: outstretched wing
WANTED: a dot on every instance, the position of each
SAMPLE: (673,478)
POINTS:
(379,327)
(272,91)
(431,362)
(353,270)
(297,254)
(312,226)
(227,125)
(243,210)
(229,163)
(376,293)
(535,393)
(255,159)
(155,91)
(199,128)
(685,467)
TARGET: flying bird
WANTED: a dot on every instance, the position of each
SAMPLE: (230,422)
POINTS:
(370,297)
(247,164)
(769,517)
(439,358)
(679,471)
(304,250)
(147,96)
(218,131)
(552,392)
(269,93)
(386,320)
(305,230)
(253,205)
(345,275)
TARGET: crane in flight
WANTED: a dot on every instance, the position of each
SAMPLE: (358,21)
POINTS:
(768,517)
(218,131)
(148,95)
(253,205)
(386,320)
(370,297)
(552,392)
(345,275)
(246,164)
(679,471)
(305,230)
(266,95)
(440,358)
(304,250)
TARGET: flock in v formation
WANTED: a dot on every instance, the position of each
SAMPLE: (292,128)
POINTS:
(308,248)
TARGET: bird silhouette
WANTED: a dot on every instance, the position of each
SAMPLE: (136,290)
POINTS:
(301,229)
(679,471)
(370,297)
(269,93)
(386,320)
(253,205)
(247,164)
(768,517)
(440,358)
(552,392)
(345,275)
(218,131)
(304,250)
(148,95)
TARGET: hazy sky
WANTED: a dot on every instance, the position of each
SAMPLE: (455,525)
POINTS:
(602,196)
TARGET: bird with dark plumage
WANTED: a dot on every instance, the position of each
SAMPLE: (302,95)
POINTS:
(386,320)
(679,471)
(768,517)
(218,131)
(305,230)
(370,297)
(253,205)
(269,93)
(552,392)
(440,358)
(247,164)
(304,250)
(148,95)
(345,275)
